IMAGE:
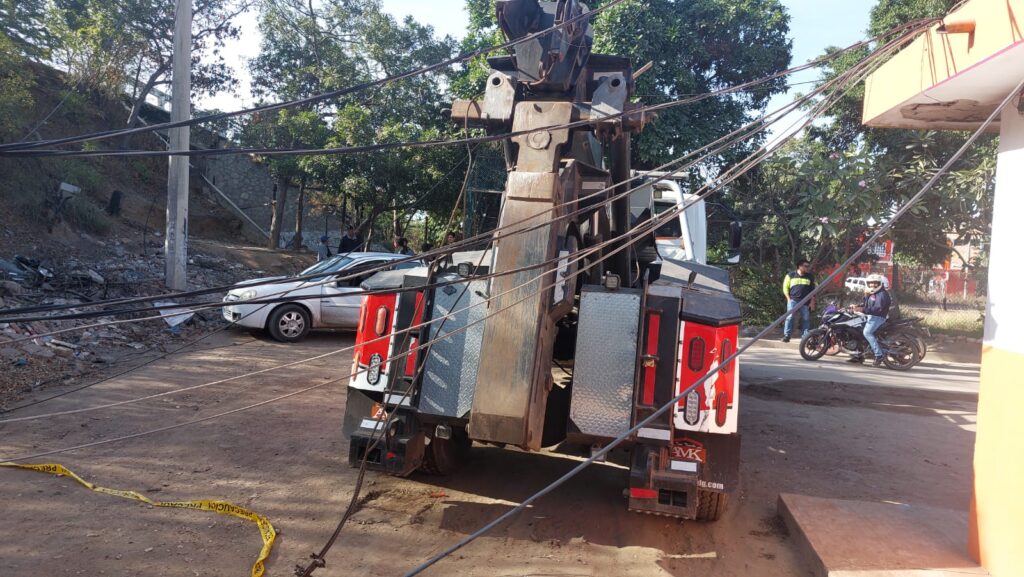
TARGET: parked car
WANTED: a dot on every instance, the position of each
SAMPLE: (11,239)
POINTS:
(859,284)
(317,302)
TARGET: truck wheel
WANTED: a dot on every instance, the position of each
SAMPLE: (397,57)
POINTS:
(289,323)
(710,505)
(445,456)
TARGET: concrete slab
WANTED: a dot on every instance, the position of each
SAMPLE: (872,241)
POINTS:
(868,539)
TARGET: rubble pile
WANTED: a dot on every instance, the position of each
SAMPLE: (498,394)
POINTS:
(28,282)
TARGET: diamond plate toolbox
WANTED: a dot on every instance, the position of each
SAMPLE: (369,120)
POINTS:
(449,376)
(602,389)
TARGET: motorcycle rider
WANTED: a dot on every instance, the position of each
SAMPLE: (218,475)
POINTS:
(876,306)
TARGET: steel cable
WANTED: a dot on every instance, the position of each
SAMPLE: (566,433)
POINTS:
(465,57)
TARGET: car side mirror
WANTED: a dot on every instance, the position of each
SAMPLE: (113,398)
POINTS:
(735,241)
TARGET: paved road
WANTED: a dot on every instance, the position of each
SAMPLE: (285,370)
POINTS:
(767,364)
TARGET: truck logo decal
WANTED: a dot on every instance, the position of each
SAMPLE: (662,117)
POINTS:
(689,450)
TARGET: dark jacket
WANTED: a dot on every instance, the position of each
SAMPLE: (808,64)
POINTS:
(349,245)
(877,304)
(796,286)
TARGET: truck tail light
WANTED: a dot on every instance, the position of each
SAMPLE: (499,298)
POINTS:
(638,493)
(725,354)
(382,321)
(692,412)
(695,358)
(650,360)
(721,408)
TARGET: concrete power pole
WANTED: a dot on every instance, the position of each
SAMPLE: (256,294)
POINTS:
(176,240)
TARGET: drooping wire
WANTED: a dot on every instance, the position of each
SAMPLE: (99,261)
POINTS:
(682,394)
(440,250)
(636,113)
(638,234)
(721,183)
(465,57)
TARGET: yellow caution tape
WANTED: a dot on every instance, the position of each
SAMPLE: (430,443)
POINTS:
(267,531)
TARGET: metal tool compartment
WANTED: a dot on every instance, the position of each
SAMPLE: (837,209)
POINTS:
(605,367)
(450,370)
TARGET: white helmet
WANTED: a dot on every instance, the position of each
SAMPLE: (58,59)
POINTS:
(876,278)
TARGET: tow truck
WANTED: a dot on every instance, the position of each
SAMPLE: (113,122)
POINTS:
(529,342)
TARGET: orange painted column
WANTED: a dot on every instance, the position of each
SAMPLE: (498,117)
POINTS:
(996,537)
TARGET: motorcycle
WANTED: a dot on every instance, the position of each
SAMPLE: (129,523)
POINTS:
(843,330)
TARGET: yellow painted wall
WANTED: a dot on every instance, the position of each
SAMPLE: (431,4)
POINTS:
(997,509)
(934,58)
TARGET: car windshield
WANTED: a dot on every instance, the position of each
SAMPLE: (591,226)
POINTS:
(328,266)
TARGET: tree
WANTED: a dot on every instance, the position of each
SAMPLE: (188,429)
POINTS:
(904,160)
(309,48)
(395,183)
(697,46)
(285,128)
(303,52)
(16,80)
(22,23)
(111,45)
(806,201)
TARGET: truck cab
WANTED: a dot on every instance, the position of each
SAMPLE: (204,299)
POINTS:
(683,238)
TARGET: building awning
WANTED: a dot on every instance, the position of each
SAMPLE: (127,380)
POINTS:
(953,76)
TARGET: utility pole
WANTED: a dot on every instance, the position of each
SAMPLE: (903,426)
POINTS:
(176,239)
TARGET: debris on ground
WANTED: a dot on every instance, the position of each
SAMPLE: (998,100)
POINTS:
(31,358)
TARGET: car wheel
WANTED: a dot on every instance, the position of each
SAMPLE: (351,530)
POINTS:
(289,323)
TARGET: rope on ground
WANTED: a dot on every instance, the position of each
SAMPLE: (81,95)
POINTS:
(267,531)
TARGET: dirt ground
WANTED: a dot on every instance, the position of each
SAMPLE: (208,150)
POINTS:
(287,461)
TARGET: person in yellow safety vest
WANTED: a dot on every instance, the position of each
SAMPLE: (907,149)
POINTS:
(796,286)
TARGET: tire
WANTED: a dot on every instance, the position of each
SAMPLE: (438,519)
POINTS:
(710,505)
(922,347)
(901,353)
(289,323)
(814,345)
(446,456)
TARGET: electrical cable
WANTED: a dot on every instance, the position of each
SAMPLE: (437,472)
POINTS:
(318,559)
(638,112)
(762,127)
(465,57)
(436,252)
(661,411)
(652,225)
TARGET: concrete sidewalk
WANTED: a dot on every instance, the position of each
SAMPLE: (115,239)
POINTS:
(965,353)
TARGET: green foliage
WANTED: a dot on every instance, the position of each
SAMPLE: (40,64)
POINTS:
(16,81)
(806,202)
(902,161)
(697,46)
(81,172)
(86,216)
(337,43)
(21,23)
(107,45)
(759,289)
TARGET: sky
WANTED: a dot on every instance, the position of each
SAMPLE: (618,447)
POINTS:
(814,25)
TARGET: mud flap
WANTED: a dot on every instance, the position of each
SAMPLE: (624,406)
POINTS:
(668,480)
(399,451)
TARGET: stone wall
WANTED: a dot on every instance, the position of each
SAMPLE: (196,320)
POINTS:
(250,186)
